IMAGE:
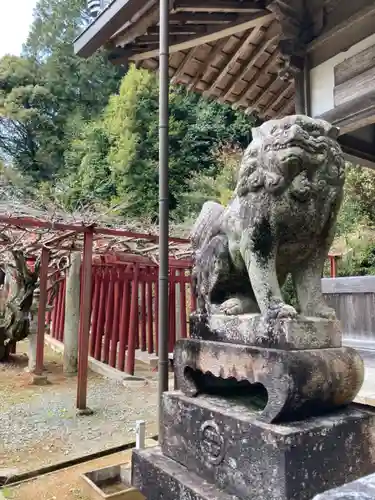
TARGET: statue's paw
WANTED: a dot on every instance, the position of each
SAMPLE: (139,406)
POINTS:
(325,312)
(232,307)
(286,311)
(280,310)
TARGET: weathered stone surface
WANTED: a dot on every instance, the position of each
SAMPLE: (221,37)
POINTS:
(280,220)
(362,489)
(223,442)
(159,478)
(252,329)
(299,383)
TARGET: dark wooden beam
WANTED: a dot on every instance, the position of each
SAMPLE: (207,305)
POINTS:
(187,29)
(120,56)
(203,18)
(355,65)
(354,144)
(131,30)
(356,151)
(345,26)
(354,114)
(215,6)
(300,97)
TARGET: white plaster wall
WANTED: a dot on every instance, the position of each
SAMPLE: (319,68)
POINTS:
(322,77)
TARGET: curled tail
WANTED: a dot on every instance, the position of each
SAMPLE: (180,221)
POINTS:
(206,225)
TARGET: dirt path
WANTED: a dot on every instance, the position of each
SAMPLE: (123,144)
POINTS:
(65,484)
(39,425)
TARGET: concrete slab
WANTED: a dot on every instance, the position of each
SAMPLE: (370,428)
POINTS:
(366,395)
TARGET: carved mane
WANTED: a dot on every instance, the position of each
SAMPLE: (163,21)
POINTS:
(258,172)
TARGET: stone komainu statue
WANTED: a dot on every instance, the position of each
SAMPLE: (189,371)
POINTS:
(280,220)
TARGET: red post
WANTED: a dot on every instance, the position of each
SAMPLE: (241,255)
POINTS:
(332,259)
(133,327)
(124,323)
(95,311)
(183,303)
(150,315)
(62,311)
(108,318)
(193,299)
(58,304)
(43,278)
(172,310)
(101,316)
(143,313)
(156,314)
(59,311)
(115,323)
(54,314)
(84,327)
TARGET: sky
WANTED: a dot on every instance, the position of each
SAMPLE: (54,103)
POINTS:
(15,19)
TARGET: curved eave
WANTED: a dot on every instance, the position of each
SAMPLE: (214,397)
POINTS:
(105,25)
(230,56)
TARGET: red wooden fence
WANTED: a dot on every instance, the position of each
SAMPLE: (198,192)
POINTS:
(124,309)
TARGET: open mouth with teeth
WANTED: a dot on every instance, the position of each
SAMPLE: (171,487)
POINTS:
(308,147)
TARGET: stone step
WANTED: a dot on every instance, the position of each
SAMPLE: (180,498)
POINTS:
(225,443)
(160,478)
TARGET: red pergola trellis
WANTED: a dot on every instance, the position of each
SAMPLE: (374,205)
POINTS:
(49,241)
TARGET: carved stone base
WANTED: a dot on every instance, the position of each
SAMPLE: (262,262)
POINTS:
(251,329)
(361,489)
(222,441)
(299,383)
(159,478)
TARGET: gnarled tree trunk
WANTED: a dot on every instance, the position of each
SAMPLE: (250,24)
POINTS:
(21,283)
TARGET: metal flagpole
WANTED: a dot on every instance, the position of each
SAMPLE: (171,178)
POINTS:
(163,198)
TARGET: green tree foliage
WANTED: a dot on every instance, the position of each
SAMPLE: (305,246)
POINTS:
(216,183)
(116,156)
(29,130)
(81,85)
(360,190)
(47,91)
(55,24)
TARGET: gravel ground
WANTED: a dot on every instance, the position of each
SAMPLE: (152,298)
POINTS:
(39,425)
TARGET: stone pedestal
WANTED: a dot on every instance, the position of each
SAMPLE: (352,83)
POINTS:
(221,441)
(262,414)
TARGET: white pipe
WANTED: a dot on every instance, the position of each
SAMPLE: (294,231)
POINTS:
(140,434)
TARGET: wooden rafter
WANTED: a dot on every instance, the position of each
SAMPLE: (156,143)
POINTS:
(202,17)
(286,109)
(216,49)
(254,105)
(270,36)
(241,47)
(216,33)
(177,29)
(127,35)
(185,61)
(253,82)
(215,6)
(277,99)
